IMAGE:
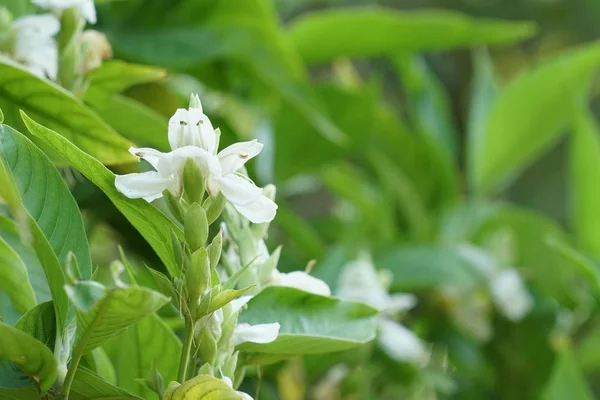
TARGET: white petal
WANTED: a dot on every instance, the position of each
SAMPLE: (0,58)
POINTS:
(300,280)
(147,185)
(399,342)
(88,11)
(259,211)
(479,258)
(401,302)
(263,333)
(178,128)
(510,294)
(235,156)
(202,133)
(239,190)
(37,25)
(150,155)
(359,282)
(237,304)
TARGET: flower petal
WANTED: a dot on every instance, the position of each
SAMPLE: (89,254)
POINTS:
(259,211)
(150,155)
(400,343)
(237,304)
(300,280)
(262,333)
(178,128)
(359,282)
(239,190)
(147,185)
(510,294)
(235,156)
(201,131)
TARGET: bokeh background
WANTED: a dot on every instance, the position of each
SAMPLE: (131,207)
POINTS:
(401,132)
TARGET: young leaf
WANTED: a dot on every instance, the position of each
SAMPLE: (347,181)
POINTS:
(309,323)
(61,111)
(40,322)
(136,351)
(529,114)
(584,160)
(150,222)
(14,280)
(46,198)
(89,386)
(104,312)
(115,76)
(567,380)
(27,354)
(385,31)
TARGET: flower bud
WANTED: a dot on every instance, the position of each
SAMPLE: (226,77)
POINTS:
(95,48)
(214,207)
(195,227)
(193,182)
(214,250)
(197,279)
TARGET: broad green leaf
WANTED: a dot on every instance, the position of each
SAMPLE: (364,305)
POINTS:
(371,32)
(584,160)
(10,234)
(46,198)
(132,119)
(40,323)
(14,279)
(529,114)
(30,230)
(104,312)
(115,76)
(484,90)
(150,222)
(29,355)
(309,323)
(19,394)
(99,362)
(60,111)
(429,103)
(89,386)
(426,267)
(202,387)
(567,381)
(141,347)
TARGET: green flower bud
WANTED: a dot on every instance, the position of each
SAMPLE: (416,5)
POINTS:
(230,365)
(193,182)
(214,207)
(207,348)
(195,227)
(197,278)
(214,250)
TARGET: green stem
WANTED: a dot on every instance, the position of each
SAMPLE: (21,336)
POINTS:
(186,351)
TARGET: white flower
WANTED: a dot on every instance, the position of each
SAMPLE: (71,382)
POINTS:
(505,284)
(399,342)
(300,280)
(359,282)
(85,7)
(261,333)
(34,45)
(510,295)
(192,136)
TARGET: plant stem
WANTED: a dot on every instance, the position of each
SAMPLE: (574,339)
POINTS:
(77,354)
(186,350)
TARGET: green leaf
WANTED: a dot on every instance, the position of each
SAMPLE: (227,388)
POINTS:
(145,345)
(584,160)
(46,198)
(14,280)
(115,76)
(59,110)
(484,90)
(40,322)
(149,221)
(104,312)
(309,323)
(426,267)
(371,32)
(19,394)
(89,386)
(29,355)
(529,114)
(429,103)
(567,380)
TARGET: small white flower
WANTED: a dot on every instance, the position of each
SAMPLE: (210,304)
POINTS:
(300,280)
(85,7)
(192,136)
(510,295)
(95,49)
(261,333)
(399,342)
(34,45)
